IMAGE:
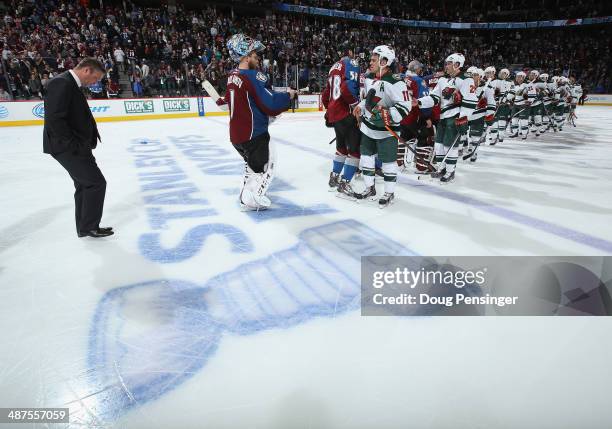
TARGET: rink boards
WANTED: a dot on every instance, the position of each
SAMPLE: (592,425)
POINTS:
(26,113)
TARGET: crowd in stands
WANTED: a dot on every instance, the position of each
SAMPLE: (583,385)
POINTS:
(168,52)
(470,11)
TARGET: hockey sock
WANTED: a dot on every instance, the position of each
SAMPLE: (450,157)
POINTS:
(390,174)
(502,129)
(378,163)
(367,165)
(524,124)
(537,119)
(439,153)
(451,159)
(514,126)
(350,166)
(493,132)
(339,159)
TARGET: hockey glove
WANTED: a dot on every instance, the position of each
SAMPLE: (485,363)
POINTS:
(447,93)
(457,98)
(462,125)
(327,123)
(459,122)
(489,119)
(386,117)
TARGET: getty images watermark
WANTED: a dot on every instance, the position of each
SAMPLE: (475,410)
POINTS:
(478,286)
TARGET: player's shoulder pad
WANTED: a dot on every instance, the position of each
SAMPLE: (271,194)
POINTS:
(261,77)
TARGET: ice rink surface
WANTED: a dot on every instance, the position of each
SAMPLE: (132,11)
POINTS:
(198,315)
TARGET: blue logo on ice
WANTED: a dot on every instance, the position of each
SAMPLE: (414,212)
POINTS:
(39,110)
(3,112)
(148,338)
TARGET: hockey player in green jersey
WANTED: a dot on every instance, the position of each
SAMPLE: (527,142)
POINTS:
(456,102)
(386,103)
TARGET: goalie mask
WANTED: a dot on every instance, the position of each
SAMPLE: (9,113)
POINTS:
(240,45)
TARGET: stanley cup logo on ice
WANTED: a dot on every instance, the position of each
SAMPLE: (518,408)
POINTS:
(319,277)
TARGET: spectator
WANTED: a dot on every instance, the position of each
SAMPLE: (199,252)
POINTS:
(4,96)
(119,58)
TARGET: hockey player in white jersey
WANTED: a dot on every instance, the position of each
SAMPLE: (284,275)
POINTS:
(456,104)
(502,86)
(576,93)
(535,94)
(562,95)
(546,102)
(386,103)
(520,107)
(484,111)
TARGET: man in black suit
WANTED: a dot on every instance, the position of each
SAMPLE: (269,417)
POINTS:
(70,133)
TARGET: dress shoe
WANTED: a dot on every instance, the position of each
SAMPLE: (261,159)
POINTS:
(105,228)
(96,233)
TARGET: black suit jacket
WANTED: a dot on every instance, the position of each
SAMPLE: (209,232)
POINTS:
(69,124)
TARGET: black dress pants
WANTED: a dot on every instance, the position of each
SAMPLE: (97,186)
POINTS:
(90,187)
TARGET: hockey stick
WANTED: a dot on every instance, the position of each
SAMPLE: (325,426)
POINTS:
(211,90)
(480,141)
(430,167)
(450,148)
(332,140)
(550,118)
(517,113)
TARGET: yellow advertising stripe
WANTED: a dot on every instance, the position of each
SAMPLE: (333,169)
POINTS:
(21,123)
